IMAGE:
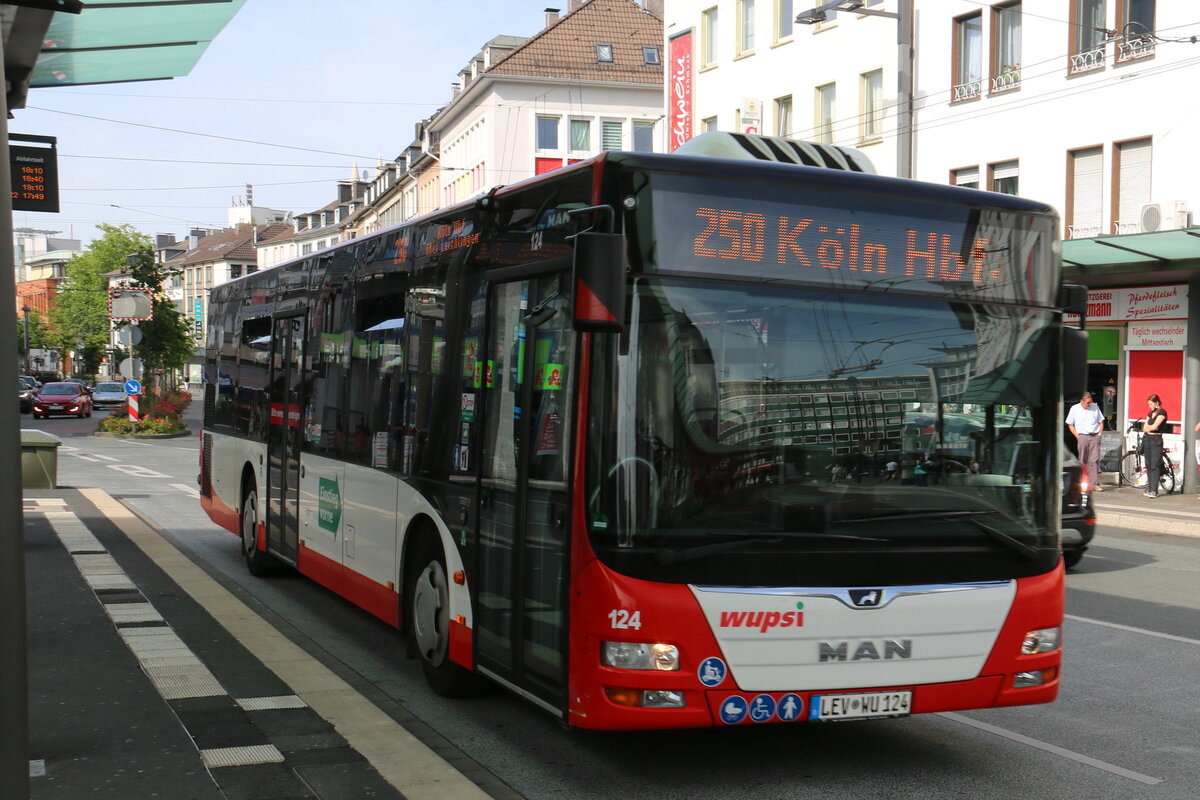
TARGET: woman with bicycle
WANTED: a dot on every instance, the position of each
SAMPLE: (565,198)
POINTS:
(1152,443)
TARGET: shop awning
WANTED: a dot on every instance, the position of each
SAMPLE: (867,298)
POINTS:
(117,40)
(1170,256)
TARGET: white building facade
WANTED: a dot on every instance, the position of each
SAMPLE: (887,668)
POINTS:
(590,81)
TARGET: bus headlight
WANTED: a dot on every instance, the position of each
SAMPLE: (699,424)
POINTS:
(1042,640)
(640,655)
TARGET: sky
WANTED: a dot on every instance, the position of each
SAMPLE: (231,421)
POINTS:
(312,89)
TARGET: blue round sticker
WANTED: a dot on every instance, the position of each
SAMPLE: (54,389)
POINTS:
(762,708)
(712,671)
(733,709)
(791,706)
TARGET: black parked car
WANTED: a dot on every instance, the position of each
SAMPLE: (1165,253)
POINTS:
(1078,513)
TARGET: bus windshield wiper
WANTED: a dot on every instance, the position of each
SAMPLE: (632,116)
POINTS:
(967,515)
(680,554)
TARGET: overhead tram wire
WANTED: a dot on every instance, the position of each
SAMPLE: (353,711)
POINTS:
(195,133)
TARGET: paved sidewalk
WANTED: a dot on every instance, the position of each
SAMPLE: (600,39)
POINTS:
(148,679)
(1176,514)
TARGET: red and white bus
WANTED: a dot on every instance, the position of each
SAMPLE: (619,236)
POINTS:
(635,438)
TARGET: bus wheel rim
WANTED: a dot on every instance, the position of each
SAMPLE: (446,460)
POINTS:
(430,613)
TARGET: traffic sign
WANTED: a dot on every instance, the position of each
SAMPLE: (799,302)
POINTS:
(133,388)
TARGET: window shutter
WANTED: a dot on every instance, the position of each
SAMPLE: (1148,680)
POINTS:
(1087,191)
(1134,180)
(967,177)
(610,135)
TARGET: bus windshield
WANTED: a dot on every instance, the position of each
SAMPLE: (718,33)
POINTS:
(770,436)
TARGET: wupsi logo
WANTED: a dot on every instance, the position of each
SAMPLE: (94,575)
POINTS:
(866,598)
(764,620)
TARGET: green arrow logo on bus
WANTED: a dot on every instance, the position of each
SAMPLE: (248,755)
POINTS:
(329,505)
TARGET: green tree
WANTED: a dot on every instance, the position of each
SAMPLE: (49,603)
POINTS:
(79,320)
(167,341)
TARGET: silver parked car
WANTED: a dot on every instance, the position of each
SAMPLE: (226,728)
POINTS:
(109,393)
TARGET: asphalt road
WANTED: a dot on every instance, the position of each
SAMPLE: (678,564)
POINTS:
(1124,725)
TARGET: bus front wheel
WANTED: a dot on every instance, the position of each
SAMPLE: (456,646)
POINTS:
(429,623)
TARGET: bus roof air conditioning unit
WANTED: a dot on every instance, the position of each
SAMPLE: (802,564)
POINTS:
(720,144)
(1165,216)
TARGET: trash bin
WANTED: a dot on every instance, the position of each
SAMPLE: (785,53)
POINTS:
(39,459)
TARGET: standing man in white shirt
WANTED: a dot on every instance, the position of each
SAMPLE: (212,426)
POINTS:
(1085,421)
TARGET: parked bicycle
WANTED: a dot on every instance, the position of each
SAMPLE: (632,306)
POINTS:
(1133,465)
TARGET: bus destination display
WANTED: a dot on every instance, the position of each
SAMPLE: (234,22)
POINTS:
(848,241)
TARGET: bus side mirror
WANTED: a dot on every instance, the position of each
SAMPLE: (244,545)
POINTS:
(600,269)
(1072,299)
(1074,362)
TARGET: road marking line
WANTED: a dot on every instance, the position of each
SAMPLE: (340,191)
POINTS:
(1131,629)
(1050,748)
(183,487)
(401,758)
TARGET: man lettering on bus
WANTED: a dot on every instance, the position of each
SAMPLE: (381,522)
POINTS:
(1085,421)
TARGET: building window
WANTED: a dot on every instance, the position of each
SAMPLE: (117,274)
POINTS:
(1135,29)
(708,37)
(785,18)
(826,95)
(1002,177)
(1088,35)
(581,134)
(783,115)
(967,177)
(871,113)
(604,53)
(1006,47)
(968,56)
(1085,192)
(652,56)
(235,271)
(611,137)
(547,133)
(745,31)
(708,124)
(643,136)
(1131,190)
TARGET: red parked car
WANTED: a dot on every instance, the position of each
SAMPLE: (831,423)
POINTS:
(63,400)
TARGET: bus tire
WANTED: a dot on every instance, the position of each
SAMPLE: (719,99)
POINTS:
(258,562)
(429,622)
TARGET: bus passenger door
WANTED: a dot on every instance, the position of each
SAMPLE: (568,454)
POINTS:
(283,437)
(521,614)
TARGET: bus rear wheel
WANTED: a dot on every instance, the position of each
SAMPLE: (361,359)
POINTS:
(258,562)
(429,623)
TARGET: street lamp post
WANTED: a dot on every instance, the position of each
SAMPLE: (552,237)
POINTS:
(904,67)
(25,319)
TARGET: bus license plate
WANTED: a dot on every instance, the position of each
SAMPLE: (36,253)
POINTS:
(860,706)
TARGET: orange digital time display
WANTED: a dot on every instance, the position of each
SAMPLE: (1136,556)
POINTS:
(34,172)
(817,242)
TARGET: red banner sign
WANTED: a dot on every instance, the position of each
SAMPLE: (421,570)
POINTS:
(680,91)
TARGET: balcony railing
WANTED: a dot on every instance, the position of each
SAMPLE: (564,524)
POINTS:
(1135,48)
(1122,226)
(965,91)
(1084,231)
(1085,62)
(1009,78)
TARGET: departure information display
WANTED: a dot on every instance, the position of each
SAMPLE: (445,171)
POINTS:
(849,240)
